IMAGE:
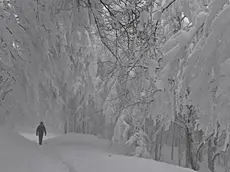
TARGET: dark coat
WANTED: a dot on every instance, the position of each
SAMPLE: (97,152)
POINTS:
(41,129)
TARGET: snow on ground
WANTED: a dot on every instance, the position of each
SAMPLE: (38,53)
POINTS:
(86,153)
(80,140)
(32,136)
(90,154)
(18,154)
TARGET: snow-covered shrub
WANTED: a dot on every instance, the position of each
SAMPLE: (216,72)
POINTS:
(120,131)
(139,140)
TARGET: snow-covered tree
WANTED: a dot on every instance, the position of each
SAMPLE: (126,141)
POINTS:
(185,58)
(201,70)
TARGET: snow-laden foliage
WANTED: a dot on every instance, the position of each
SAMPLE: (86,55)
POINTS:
(120,131)
(208,69)
(47,47)
(140,142)
(202,72)
(185,58)
(200,67)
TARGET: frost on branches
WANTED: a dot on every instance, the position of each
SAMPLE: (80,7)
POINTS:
(137,142)
(48,54)
(203,67)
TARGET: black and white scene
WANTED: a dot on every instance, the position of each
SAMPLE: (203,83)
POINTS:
(114,85)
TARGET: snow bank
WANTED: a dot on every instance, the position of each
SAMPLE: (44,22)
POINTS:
(114,163)
(84,140)
(33,137)
(18,154)
(78,139)
(76,150)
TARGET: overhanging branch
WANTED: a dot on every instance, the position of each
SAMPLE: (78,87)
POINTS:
(158,22)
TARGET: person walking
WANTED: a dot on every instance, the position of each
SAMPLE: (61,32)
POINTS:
(41,130)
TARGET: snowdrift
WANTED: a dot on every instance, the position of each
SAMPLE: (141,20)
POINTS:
(84,140)
(89,153)
(18,154)
(73,139)
(32,137)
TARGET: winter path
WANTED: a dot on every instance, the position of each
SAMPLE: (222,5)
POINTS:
(18,154)
(85,153)
(49,150)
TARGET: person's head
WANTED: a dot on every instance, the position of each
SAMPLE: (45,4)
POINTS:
(41,123)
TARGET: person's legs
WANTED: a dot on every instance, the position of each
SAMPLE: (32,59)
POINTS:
(40,139)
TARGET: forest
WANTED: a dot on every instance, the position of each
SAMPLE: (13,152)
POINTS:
(152,76)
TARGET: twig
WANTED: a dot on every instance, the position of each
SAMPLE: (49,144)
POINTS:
(100,34)
(155,30)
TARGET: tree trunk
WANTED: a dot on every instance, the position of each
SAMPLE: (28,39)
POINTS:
(179,150)
(173,124)
(210,155)
(225,159)
(161,139)
(65,127)
(75,123)
(173,141)
(156,148)
(212,148)
(86,127)
(189,154)
(69,124)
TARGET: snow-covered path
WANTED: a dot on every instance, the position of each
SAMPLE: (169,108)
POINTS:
(85,160)
(51,151)
(84,153)
(17,154)
(33,137)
